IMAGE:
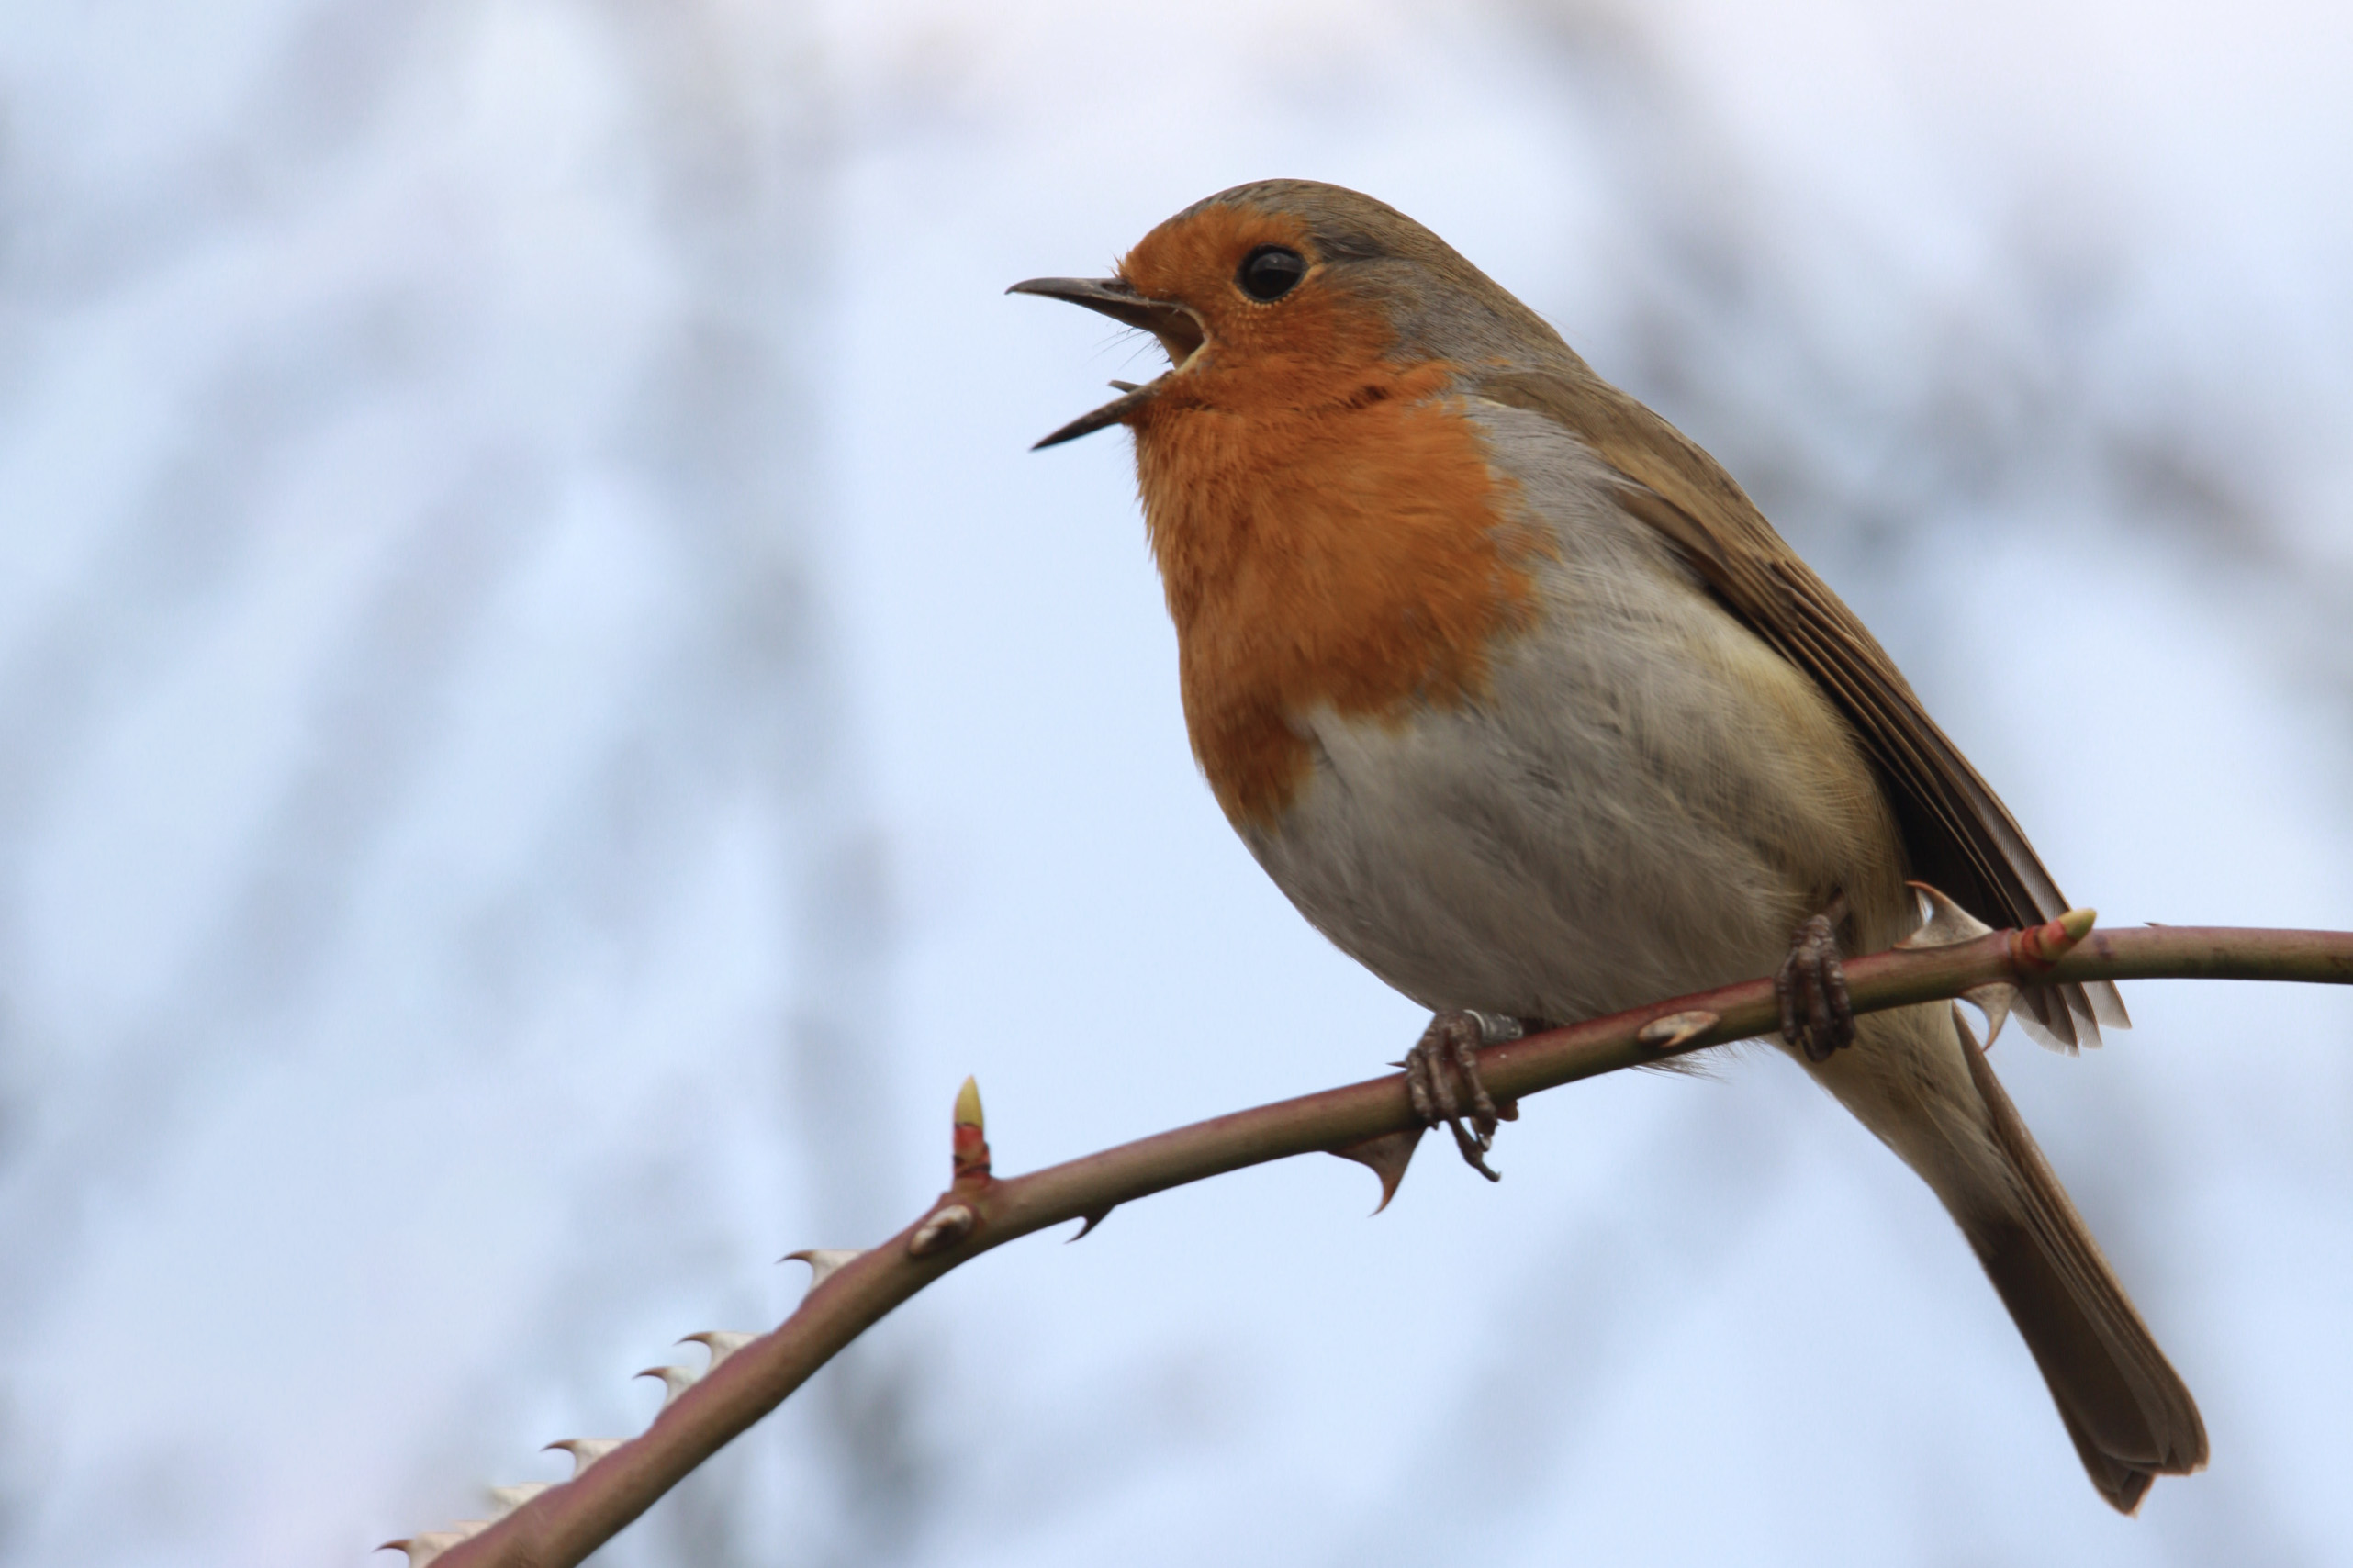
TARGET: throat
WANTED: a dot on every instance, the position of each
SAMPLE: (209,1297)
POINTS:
(1360,557)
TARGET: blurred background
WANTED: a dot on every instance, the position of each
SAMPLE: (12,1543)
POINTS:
(547,719)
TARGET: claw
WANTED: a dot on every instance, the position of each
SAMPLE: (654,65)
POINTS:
(1447,1055)
(1474,1150)
(1816,1017)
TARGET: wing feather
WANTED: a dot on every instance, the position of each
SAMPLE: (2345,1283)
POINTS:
(1959,835)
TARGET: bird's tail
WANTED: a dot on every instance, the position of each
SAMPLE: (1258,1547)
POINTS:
(2127,1410)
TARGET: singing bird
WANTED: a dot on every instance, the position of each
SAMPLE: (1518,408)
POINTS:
(1516,694)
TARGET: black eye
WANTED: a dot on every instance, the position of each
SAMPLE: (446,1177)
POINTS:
(1269,271)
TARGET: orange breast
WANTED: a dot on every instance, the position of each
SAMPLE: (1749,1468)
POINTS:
(1333,536)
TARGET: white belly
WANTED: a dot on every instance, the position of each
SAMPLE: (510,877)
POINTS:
(1647,800)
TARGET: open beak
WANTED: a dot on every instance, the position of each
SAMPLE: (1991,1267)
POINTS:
(1178,329)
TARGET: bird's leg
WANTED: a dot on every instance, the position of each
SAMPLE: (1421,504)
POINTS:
(1442,1075)
(1815,1015)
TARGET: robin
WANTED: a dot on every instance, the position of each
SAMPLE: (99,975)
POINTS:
(1516,694)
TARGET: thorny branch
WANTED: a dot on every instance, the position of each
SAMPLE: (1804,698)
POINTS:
(615,1481)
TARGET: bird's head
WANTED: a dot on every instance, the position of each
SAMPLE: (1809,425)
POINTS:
(1285,295)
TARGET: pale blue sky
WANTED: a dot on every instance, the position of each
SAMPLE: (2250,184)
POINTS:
(548,718)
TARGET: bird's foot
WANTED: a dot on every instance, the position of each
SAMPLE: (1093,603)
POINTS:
(1816,1017)
(1443,1078)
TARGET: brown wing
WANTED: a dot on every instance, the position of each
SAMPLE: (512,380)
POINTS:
(1960,836)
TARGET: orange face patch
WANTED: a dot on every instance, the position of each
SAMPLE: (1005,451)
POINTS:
(1326,525)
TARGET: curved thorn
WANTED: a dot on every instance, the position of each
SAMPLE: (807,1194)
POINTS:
(1947,925)
(1092,1220)
(424,1546)
(585,1451)
(510,1499)
(674,1380)
(1994,999)
(1386,1156)
(822,1261)
(721,1342)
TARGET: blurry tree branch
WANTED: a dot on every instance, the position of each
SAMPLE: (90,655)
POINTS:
(613,1482)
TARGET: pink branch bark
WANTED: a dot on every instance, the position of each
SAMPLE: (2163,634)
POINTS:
(561,1524)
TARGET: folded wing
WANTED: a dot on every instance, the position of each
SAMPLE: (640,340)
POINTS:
(1960,836)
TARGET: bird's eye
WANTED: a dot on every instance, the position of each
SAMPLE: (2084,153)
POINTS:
(1270,271)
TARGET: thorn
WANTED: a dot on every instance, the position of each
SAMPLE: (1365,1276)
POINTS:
(424,1546)
(468,1528)
(585,1451)
(2044,945)
(947,1226)
(1386,1155)
(822,1261)
(1092,1220)
(1948,925)
(510,1499)
(1994,999)
(1665,1033)
(1122,386)
(674,1380)
(721,1342)
(968,1140)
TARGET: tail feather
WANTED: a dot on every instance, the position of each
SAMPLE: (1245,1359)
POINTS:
(2130,1415)
(2124,1405)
